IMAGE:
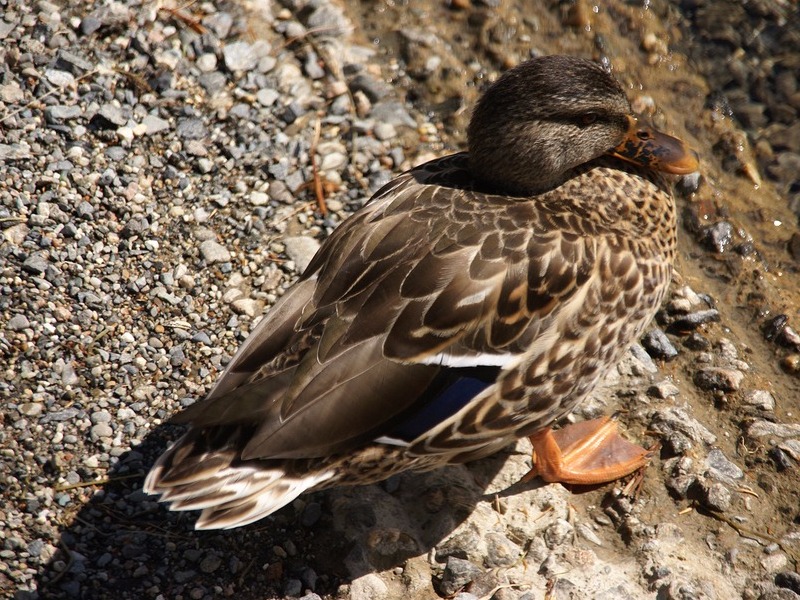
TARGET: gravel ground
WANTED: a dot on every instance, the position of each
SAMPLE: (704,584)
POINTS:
(168,170)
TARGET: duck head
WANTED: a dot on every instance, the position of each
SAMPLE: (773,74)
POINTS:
(549,115)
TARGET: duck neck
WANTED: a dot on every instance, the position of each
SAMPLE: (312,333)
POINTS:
(519,161)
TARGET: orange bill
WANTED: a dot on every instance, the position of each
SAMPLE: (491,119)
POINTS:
(655,150)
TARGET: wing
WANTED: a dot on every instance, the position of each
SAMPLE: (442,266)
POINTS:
(424,278)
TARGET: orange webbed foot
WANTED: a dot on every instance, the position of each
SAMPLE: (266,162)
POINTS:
(586,453)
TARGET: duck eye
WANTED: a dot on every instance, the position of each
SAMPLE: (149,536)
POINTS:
(588,119)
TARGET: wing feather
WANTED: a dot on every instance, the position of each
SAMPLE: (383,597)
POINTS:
(394,293)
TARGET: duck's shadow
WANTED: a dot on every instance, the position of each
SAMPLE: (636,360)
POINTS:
(123,544)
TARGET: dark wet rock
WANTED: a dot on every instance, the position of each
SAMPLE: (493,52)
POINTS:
(794,246)
(778,594)
(718,378)
(689,184)
(692,321)
(695,341)
(292,587)
(658,345)
(788,580)
(311,514)
(774,327)
(457,574)
(718,237)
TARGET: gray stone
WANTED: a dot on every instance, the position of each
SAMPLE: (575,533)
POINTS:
(792,448)
(267,96)
(210,563)
(330,20)
(220,23)
(457,574)
(763,428)
(558,533)
(721,467)
(206,62)
(191,129)
(292,587)
(500,551)
(694,320)
(59,78)
(214,252)
(101,430)
(242,56)
(19,151)
(72,62)
(718,237)
(658,345)
(35,264)
(90,24)
(673,419)
(58,113)
(393,113)
(245,306)
(760,399)
(384,131)
(301,249)
(18,322)
(101,416)
(109,116)
(154,124)
(177,356)
(31,409)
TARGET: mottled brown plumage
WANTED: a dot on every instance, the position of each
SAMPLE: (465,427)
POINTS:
(474,300)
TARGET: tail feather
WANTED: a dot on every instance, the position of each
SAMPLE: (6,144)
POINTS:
(230,492)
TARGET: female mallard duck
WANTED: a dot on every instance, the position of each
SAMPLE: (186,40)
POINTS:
(473,300)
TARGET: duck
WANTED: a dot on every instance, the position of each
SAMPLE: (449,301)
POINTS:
(473,300)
